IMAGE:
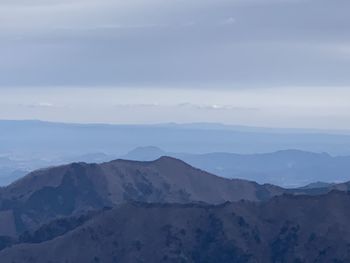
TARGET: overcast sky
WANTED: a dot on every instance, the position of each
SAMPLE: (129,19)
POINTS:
(256,62)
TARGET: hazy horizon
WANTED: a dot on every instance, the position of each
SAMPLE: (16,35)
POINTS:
(262,107)
(190,124)
(248,62)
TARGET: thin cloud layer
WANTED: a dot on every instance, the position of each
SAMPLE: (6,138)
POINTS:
(296,107)
(222,43)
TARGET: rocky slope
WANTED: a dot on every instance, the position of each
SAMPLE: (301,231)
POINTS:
(284,229)
(73,189)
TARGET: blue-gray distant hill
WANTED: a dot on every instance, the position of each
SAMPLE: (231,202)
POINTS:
(29,145)
(288,168)
(37,138)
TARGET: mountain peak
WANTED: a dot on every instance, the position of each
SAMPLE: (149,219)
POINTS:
(146,153)
(71,189)
(166,158)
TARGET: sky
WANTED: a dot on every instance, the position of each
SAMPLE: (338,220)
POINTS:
(276,63)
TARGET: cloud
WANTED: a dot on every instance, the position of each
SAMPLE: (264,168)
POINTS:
(303,106)
(187,106)
(215,107)
(138,105)
(228,21)
(40,105)
(45,104)
(343,49)
(174,43)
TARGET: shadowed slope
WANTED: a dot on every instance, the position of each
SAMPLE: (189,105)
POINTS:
(284,229)
(72,189)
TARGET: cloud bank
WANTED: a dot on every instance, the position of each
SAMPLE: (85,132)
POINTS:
(226,44)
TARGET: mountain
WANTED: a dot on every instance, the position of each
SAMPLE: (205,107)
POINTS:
(318,185)
(13,169)
(48,140)
(73,189)
(147,153)
(287,168)
(9,175)
(10,170)
(38,144)
(284,229)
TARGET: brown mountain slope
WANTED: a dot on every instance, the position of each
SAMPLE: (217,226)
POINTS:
(72,189)
(284,229)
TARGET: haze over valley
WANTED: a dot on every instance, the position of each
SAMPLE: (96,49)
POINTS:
(284,157)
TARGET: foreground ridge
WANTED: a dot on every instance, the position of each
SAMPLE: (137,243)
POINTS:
(282,229)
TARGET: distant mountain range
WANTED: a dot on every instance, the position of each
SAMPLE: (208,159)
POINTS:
(29,145)
(288,168)
(49,140)
(13,169)
(284,229)
(10,170)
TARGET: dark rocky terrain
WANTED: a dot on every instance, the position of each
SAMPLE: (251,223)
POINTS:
(73,189)
(284,229)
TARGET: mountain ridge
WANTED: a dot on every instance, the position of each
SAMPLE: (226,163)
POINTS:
(71,189)
(287,168)
(281,229)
